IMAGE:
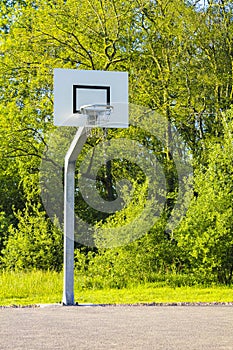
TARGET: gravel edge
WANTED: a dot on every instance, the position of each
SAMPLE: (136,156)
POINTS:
(119,305)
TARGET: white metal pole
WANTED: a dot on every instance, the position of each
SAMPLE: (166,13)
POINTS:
(68,291)
(69,215)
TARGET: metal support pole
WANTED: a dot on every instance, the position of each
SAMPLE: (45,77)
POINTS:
(69,215)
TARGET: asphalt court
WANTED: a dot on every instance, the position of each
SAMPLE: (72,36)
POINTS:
(117,327)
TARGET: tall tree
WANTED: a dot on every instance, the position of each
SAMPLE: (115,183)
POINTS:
(185,65)
(205,235)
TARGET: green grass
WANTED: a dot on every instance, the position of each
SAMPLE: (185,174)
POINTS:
(25,288)
(39,287)
(153,294)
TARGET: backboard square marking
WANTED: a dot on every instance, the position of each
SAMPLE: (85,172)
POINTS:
(77,105)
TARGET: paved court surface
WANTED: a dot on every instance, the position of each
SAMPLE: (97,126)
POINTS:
(117,327)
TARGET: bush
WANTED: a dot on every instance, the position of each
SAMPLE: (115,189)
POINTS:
(35,243)
(4,224)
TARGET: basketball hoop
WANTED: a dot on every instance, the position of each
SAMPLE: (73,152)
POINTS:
(97,114)
(74,90)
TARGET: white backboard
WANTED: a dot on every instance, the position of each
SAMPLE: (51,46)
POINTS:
(75,88)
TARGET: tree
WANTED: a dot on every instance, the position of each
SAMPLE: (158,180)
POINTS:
(26,80)
(179,59)
(205,236)
(181,70)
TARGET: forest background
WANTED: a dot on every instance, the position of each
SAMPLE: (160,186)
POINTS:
(179,56)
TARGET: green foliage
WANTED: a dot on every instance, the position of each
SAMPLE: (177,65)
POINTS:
(4,224)
(179,65)
(206,235)
(34,244)
(152,258)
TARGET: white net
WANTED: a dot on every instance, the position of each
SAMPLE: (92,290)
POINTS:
(97,114)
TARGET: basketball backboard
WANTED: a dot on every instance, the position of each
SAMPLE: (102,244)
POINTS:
(90,98)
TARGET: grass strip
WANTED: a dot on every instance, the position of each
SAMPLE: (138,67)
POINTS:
(37,287)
